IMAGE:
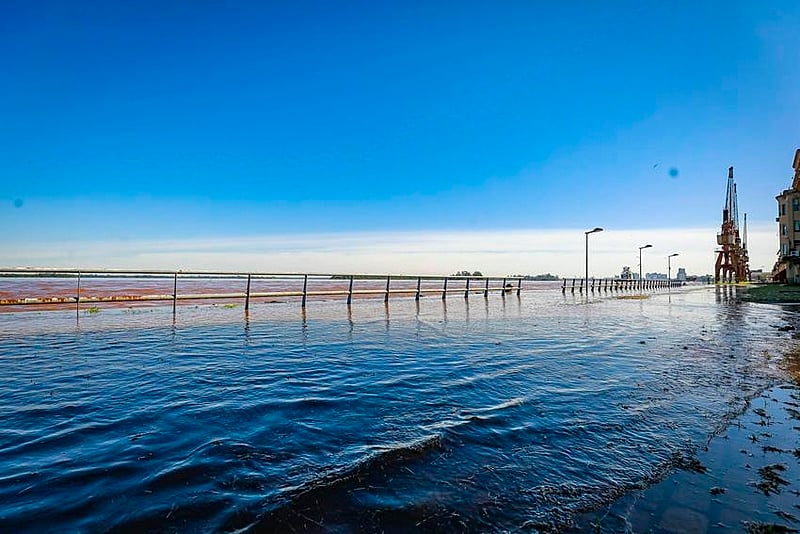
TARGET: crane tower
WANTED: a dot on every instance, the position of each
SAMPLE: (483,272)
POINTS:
(732,258)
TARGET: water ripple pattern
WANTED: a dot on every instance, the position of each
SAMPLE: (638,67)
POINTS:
(493,415)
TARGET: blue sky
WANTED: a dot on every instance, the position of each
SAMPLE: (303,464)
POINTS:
(169,121)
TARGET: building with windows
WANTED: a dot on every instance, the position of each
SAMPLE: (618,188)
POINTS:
(787,268)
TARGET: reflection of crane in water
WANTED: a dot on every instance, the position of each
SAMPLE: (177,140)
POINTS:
(732,258)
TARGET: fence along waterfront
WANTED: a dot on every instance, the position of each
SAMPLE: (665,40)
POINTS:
(616,284)
(486,285)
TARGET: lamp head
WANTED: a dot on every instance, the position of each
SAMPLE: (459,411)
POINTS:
(598,229)
(673,255)
(646,246)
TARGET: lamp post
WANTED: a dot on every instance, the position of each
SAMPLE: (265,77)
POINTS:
(641,280)
(598,229)
(669,269)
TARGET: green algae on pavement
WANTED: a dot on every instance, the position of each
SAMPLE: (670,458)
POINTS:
(772,293)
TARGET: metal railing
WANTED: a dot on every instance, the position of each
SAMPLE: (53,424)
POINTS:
(290,285)
(616,284)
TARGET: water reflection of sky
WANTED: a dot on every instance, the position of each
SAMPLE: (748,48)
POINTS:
(494,413)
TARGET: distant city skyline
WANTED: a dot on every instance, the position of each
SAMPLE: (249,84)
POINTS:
(206,131)
(493,252)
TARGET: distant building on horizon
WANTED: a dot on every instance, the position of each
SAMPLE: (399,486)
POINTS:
(787,267)
(655,276)
(681,276)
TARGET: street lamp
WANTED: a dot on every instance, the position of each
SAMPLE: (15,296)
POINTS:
(598,229)
(641,280)
(669,268)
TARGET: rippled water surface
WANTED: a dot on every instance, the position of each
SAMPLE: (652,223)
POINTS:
(505,413)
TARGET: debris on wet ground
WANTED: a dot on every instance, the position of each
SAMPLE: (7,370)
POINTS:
(766,528)
(747,479)
(693,464)
(771,481)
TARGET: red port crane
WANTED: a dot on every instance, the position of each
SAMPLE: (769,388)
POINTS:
(732,258)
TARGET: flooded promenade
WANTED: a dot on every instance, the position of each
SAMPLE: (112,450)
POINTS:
(496,414)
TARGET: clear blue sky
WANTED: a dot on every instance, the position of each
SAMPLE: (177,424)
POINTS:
(143,120)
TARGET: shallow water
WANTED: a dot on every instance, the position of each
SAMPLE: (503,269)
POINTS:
(506,413)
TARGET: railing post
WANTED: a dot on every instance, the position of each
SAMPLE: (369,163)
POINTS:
(466,291)
(419,281)
(444,289)
(564,286)
(247,296)
(573,286)
(580,287)
(503,288)
(175,294)
(350,292)
(386,294)
(519,286)
(305,291)
(486,290)
(78,298)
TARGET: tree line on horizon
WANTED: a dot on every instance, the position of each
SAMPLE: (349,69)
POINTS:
(535,277)
(546,277)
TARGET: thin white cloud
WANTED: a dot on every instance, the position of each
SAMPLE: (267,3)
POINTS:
(497,252)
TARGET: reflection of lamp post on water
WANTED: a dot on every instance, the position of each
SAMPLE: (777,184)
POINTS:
(587,256)
(669,270)
(641,280)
